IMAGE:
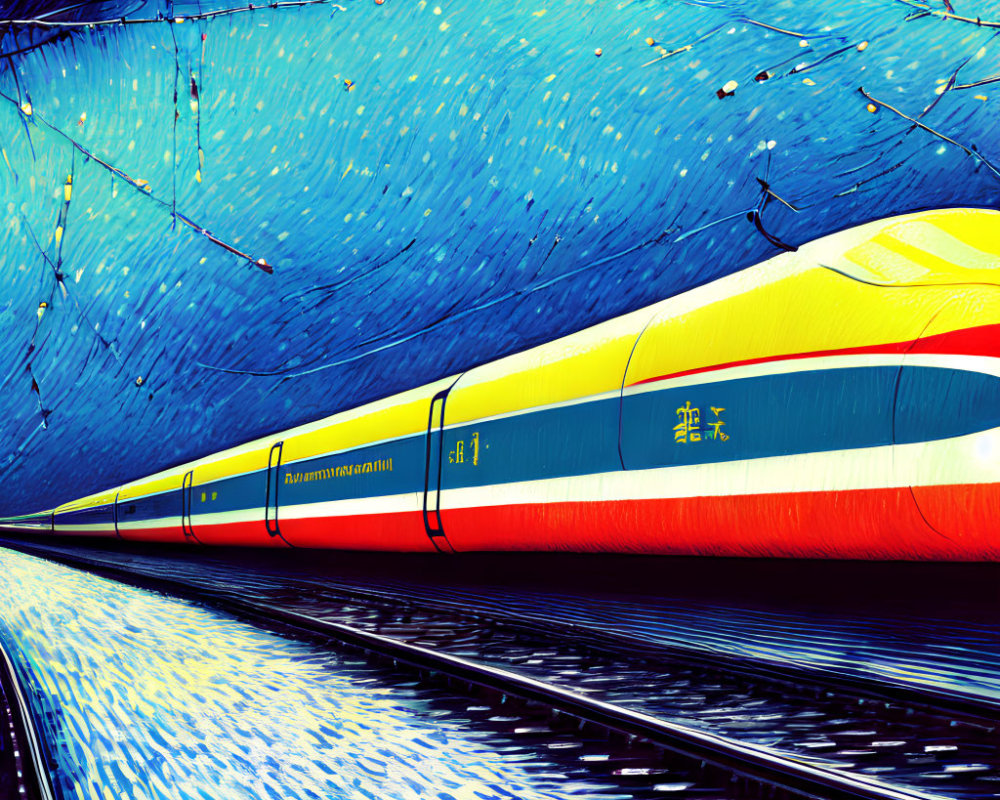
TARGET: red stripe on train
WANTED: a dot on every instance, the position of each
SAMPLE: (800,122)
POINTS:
(952,523)
(159,534)
(883,524)
(249,533)
(401,531)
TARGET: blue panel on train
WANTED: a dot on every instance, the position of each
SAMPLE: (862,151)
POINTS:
(435,185)
(774,415)
(940,403)
(230,494)
(384,469)
(87,516)
(577,439)
(157,506)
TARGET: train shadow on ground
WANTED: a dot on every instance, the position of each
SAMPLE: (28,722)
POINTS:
(921,590)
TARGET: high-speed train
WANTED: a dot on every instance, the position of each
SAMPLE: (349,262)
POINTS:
(840,401)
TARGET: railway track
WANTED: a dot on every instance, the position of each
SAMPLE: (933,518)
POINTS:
(23,773)
(760,729)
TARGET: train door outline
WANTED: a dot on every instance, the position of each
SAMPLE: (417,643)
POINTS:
(114,514)
(187,487)
(271,490)
(433,467)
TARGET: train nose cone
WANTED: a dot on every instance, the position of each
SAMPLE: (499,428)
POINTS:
(947,424)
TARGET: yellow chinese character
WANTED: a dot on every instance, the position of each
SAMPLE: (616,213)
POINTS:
(457,456)
(689,427)
(717,424)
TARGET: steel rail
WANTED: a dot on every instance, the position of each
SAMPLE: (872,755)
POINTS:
(756,763)
(922,697)
(34,773)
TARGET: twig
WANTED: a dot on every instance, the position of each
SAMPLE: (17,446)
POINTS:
(40,23)
(769,191)
(196,97)
(331,288)
(260,263)
(686,47)
(683,49)
(758,223)
(974,153)
(64,217)
(926,11)
(827,57)
(173,153)
(708,225)
(796,34)
(983,82)
(38,396)
(144,190)
(756,216)
(61,282)
(870,178)
(942,91)
(21,106)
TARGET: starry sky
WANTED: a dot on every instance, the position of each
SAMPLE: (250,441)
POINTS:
(280,213)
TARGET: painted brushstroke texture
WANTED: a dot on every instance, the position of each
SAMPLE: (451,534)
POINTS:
(435,185)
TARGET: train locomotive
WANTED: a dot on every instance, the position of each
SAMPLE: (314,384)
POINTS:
(840,401)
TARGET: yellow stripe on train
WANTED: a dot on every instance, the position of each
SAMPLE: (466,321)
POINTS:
(812,308)
(100,499)
(399,415)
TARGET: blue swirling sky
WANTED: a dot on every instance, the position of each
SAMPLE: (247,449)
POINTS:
(435,184)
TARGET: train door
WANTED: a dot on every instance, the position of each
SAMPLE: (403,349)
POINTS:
(432,474)
(114,513)
(186,491)
(271,499)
